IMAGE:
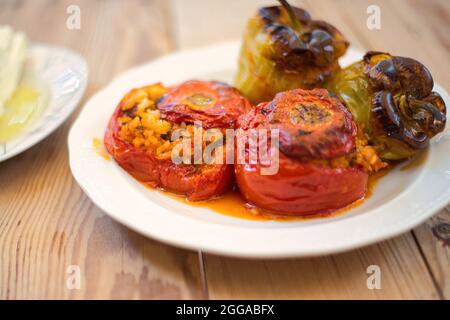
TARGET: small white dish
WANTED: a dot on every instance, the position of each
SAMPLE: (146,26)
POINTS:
(401,200)
(63,73)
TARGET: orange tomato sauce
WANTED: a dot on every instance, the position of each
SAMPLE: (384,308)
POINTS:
(234,205)
(100,149)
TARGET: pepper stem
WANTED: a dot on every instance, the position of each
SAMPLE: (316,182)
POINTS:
(291,14)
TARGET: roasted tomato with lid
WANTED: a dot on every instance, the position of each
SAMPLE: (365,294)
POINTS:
(141,136)
(323,164)
(311,124)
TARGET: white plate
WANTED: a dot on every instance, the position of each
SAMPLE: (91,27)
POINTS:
(401,201)
(64,74)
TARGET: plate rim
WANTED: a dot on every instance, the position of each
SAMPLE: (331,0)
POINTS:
(224,250)
(42,131)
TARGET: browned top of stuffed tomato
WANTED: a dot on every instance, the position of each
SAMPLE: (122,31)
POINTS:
(311,124)
(215,104)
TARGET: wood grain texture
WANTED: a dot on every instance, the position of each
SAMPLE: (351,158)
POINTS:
(46,221)
(403,275)
(433,239)
(48,224)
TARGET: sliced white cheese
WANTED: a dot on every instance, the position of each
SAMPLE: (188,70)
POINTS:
(13,53)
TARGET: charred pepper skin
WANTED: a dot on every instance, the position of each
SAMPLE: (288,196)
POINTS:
(305,183)
(391,98)
(278,55)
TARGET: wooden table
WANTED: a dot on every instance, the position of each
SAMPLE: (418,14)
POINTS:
(48,224)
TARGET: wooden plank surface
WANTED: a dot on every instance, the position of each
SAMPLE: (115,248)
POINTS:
(48,224)
(403,275)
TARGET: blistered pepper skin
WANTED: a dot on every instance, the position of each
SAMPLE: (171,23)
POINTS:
(391,99)
(302,185)
(277,55)
(196,182)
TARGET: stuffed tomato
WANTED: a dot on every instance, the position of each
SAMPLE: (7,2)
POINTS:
(140,135)
(323,162)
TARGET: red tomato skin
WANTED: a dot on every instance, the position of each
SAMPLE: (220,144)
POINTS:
(228,104)
(300,188)
(181,179)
